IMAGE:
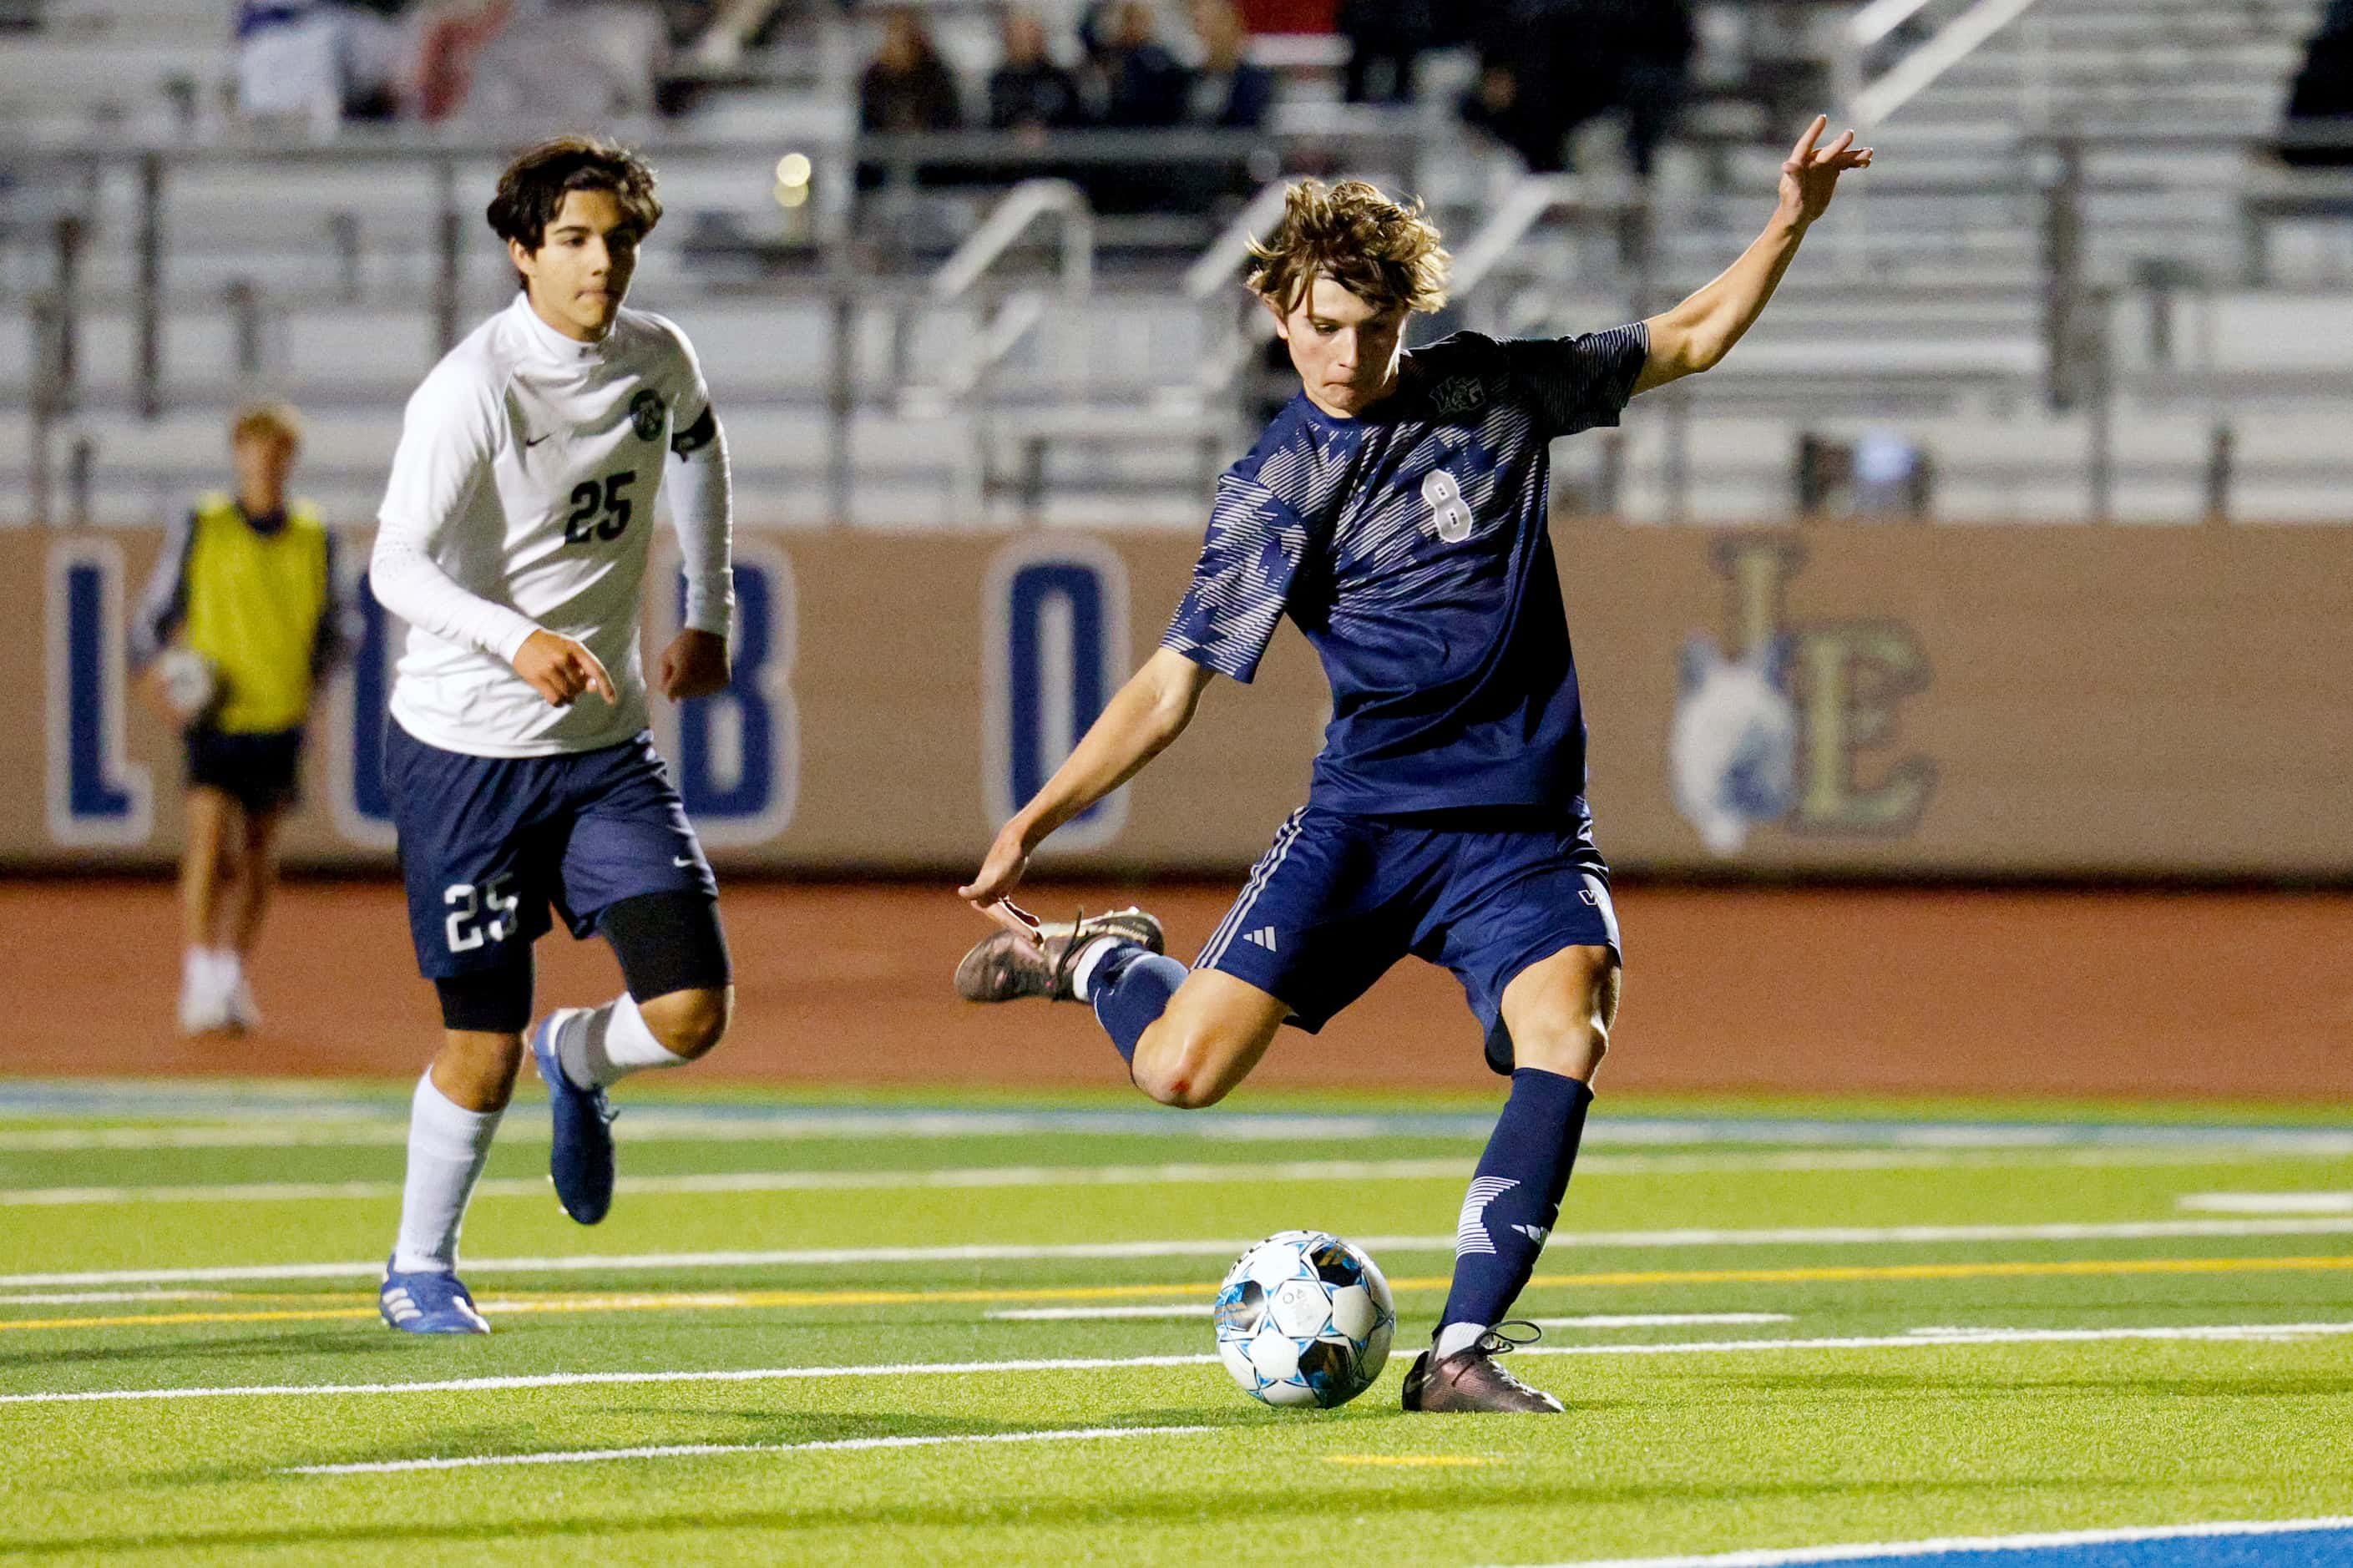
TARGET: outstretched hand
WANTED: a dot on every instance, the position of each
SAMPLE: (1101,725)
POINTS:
(1810,177)
(991,891)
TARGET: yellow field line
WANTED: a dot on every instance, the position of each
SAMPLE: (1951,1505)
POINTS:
(727,1300)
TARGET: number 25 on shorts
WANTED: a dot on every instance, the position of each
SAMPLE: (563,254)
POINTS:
(466,927)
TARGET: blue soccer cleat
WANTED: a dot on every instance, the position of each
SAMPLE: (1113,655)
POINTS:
(428,1302)
(580,1161)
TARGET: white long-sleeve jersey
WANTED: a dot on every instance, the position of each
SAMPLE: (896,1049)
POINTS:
(522,500)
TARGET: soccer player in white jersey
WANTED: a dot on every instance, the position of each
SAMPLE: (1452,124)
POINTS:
(513,542)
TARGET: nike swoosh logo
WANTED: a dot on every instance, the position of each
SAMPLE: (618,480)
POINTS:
(681,860)
(531,441)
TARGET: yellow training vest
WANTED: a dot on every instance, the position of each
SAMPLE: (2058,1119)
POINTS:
(254,602)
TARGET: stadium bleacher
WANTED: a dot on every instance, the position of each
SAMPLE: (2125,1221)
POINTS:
(2074,243)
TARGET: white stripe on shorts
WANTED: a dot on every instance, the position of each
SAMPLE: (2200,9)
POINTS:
(1223,937)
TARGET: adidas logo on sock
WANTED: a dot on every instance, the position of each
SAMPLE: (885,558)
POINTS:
(1535,1233)
(1263,937)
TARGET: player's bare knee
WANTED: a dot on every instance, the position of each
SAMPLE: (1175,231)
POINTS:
(690,1024)
(1180,1068)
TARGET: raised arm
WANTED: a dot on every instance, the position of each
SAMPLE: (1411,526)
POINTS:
(1138,724)
(1697,334)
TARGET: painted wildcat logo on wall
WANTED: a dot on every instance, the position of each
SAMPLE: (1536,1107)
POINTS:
(1769,732)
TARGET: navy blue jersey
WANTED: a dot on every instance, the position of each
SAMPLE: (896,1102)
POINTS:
(1410,546)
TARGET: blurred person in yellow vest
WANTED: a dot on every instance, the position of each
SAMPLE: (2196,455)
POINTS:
(242,620)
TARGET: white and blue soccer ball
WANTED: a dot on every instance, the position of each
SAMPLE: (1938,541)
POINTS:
(1304,1319)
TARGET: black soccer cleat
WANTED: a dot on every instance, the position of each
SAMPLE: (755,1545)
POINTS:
(1469,1382)
(1005,966)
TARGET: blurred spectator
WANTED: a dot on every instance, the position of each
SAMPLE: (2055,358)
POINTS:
(1650,43)
(243,618)
(2322,96)
(451,42)
(1230,91)
(1143,84)
(318,60)
(565,60)
(1546,66)
(1533,88)
(1386,39)
(1029,92)
(907,87)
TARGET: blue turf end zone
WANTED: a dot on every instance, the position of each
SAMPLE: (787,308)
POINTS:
(2326,1547)
(2323,1542)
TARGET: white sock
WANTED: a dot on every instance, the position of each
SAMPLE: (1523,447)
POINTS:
(196,969)
(1090,957)
(447,1146)
(227,970)
(601,1049)
(1456,1338)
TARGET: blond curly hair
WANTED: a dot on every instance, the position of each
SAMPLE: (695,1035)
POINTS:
(1385,253)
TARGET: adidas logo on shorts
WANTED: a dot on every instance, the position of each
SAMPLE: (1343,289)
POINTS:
(1262,937)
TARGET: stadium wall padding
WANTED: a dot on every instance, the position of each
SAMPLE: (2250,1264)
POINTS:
(1962,702)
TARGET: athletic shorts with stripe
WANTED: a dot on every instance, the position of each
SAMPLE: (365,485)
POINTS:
(1339,898)
(487,844)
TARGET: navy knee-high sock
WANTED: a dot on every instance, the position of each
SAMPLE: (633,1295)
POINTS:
(1129,989)
(1513,1201)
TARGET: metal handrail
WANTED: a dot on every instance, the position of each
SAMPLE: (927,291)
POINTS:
(1020,313)
(1916,71)
(1214,268)
(1878,19)
(1532,200)
(1024,205)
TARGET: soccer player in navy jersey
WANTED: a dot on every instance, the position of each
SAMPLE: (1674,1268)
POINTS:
(1395,510)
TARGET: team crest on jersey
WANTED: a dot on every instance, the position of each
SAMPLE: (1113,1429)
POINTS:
(1460,395)
(647,413)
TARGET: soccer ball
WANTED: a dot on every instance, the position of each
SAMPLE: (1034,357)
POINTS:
(189,681)
(1304,1319)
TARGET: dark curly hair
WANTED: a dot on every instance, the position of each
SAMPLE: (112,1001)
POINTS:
(1385,253)
(531,190)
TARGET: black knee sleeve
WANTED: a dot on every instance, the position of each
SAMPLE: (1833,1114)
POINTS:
(667,941)
(488,1001)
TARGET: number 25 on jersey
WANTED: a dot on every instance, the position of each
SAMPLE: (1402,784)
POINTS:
(600,510)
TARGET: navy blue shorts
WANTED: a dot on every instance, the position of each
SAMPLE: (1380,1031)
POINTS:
(260,770)
(488,844)
(1338,899)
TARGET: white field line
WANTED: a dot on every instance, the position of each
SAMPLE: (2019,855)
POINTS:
(1796,1162)
(683,1451)
(983,1176)
(1077,1314)
(535,1187)
(1596,1240)
(2267,1202)
(1201,1310)
(81,1298)
(1659,1320)
(1874,1552)
(1109,1251)
(1938,1339)
(2127,1144)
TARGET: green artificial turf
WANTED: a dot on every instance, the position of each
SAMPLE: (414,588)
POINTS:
(1699,1448)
